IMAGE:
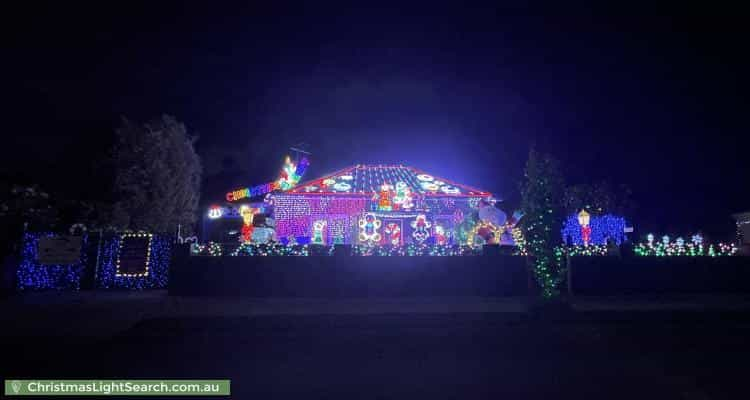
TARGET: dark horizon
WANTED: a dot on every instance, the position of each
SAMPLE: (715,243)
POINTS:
(651,102)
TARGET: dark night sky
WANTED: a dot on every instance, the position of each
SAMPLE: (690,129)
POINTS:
(653,102)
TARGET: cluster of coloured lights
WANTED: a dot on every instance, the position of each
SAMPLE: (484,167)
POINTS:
(251,249)
(415,249)
(581,250)
(124,236)
(519,240)
(599,228)
(289,177)
(210,249)
(488,232)
(679,247)
(411,249)
(31,275)
(561,252)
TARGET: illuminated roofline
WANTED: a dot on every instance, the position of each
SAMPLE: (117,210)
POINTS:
(293,191)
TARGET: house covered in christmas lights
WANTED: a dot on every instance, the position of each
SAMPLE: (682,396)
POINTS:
(383,205)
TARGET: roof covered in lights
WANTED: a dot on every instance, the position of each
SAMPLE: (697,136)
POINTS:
(368,179)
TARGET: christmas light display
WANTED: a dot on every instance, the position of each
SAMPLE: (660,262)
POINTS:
(368,179)
(393,233)
(402,200)
(294,215)
(211,249)
(32,275)
(263,250)
(369,226)
(584,219)
(248,214)
(600,228)
(123,238)
(288,178)
(215,212)
(420,227)
(390,193)
(519,241)
(160,250)
(441,238)
(696,248)
(319,227)
(484,233)
(383,198)
(416,250)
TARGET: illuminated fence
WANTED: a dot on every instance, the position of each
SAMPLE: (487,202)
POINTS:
(65,262)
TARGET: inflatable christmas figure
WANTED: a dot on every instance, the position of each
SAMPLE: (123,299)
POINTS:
(319,228)
(393,233)
(248,214)
(369,225)
(440,236)
(420,226)
(385,203)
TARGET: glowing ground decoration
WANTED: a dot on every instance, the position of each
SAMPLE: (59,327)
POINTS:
(695,248)
(602,228)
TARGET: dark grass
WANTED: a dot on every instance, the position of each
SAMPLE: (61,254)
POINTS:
(623,355)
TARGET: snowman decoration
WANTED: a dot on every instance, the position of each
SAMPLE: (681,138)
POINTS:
(319,232)
(402,199)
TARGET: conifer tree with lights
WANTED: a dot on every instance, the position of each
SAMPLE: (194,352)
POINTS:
(541,201)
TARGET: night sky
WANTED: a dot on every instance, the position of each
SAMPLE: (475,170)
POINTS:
(653,102)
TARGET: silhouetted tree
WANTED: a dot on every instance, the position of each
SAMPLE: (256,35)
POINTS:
(157,176)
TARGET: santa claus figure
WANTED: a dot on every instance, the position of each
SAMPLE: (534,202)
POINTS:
(440,236)
(248,214)
(385,203)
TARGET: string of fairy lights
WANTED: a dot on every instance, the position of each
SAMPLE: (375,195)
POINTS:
(696,247)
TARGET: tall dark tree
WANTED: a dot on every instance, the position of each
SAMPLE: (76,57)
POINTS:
(157,176)
(541,201)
